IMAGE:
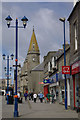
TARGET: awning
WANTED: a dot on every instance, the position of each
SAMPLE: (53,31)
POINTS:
(54,84)
(54,78)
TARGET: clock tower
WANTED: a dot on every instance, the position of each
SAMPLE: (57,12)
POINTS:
(33,59)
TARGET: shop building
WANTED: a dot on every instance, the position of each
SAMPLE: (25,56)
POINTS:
(48,69)
(61,79)
(74,23)
(54,86)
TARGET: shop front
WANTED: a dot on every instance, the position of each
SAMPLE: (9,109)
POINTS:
(46,89)
(75,70)
(54,85)
(61,80)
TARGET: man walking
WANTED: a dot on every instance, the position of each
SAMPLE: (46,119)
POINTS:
(35,97)
(41,97)
(25,95)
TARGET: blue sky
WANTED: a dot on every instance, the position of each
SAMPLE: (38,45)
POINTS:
(45,18)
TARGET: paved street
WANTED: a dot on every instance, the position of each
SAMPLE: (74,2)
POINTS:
(38,110)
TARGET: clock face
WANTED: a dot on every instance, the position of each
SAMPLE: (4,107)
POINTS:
(33,59)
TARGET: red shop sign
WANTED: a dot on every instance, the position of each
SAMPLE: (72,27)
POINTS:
(65,69)
(75,68)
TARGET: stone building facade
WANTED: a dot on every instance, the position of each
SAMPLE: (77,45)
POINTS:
(74,23)
(31,61)
(48,69)
(61,79)
(38,74)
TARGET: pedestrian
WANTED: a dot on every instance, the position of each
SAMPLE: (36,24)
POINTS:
(18,96)
(41,97)
(53,95)
(25,95)
(35,97)
(29,96)
(48,97)
(32,96)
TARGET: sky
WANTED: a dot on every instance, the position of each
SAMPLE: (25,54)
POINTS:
(44,16)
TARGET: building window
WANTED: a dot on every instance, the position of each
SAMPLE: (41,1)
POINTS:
(54,62)
(75,35)
(48,66)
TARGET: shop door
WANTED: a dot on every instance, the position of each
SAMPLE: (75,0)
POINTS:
(45,90)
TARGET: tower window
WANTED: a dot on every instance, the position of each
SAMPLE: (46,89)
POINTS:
(33,46)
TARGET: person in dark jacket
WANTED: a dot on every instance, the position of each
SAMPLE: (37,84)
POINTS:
(25,95)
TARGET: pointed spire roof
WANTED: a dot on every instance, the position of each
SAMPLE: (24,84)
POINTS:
(33,47)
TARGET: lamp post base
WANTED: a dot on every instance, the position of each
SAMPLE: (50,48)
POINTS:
(16,107)
(16,114)
(7,99)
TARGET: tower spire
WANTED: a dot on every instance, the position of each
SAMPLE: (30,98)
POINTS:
(33,47)
(33,28)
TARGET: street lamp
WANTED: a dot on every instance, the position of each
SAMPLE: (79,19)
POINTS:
(9,19)
(63,20)
(24,19)
(7,68)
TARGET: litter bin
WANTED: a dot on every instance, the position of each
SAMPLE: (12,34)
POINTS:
(10,98)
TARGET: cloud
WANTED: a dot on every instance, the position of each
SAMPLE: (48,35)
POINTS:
(49,32)
(48,29)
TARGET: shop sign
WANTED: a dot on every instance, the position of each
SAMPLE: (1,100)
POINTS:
(46,81)
(75,68)
(65,69)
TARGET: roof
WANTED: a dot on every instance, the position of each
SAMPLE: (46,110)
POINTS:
(33,44)
(63,53)
(59,52)
(39,67)
(73,10)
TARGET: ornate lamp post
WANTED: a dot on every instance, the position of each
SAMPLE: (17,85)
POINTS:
(7,72)
(63,20)
(24,20)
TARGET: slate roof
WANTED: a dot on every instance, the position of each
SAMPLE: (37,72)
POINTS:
(39,67)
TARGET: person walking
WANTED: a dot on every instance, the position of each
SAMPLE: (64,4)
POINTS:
(25,95)
(48,97)
(53,95)
(41,97)
(31,95)
(35,97)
